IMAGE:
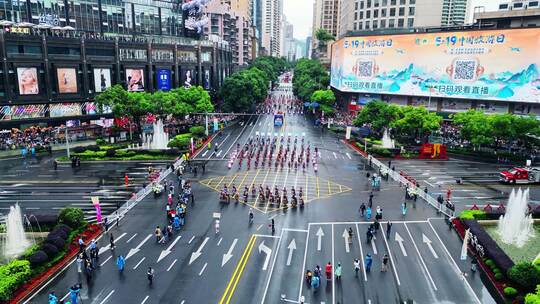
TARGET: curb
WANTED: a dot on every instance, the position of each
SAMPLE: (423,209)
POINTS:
(26,289)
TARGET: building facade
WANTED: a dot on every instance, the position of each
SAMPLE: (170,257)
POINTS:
(58,56)
(382,14)
(270,27)
(326,15)
(288,48)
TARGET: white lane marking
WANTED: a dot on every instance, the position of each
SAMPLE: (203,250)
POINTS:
(145,299)
(421,258)
(131,238)
(172,264)
(195,255)
(219,242)
(303,264)
(110,257)
(400,240)
(137,265)
(168,251)
(205,152)
(183,301)
(272,269)
(427,241)
(106,248)
(361,252)
(391,259)
(191,240)
(260,226)
(219,153)
(227,256)
(373,246)
(458,270)
(32,208)
(138,248)
(335,156)
(333,263)
(107,297)
(348,155)
(202,270)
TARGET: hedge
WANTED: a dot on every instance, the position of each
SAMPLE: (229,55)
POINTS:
(510,292)
(525,274)
(73,217)
(533,298)
(491,248)
(12,275)
(473,215)
(198,131)
(49,249)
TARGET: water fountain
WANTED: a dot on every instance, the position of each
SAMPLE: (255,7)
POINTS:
(15,240)
(516,227)
(387,142)
(158,140)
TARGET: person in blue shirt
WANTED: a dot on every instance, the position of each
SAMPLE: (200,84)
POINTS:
(52,298)
(74,293)
(120,262)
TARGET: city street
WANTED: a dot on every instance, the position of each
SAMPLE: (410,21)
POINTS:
(247,263)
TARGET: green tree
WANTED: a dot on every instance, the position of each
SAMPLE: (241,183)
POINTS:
(416,121)
(73,217)
(326,100)
(111,96)
(162,103)
(533,298)
(309,76)
(324,37)
(525,274)
(243,89)
(378,115)
(475,126)
(198,98)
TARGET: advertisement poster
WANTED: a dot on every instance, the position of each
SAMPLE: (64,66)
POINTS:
(188,80)
(493,65)
(164,79)
(64,109)
(207,79)
(194,18)
(22,112)
(67,80)
(102,79)
(135,80)
(28,81)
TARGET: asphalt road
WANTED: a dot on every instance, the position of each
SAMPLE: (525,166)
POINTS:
(246,263)
(480,185)
(39,189)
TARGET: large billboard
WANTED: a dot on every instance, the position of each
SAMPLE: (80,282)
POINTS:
(135,80)
(491,65)
(28,81)
(67,80)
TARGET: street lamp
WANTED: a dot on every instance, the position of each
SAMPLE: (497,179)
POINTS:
(67,142)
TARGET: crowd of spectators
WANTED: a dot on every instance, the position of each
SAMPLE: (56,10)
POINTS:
(33,137)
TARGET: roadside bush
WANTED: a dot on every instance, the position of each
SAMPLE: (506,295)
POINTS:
(73,217)
(79,149)
(197,131)
(110,153)
(56,241)
(94,148)
(498,276)
(489,262)
(49,249)
(525,275)
(63,227)
(510,292)
(38,258)
(181,141)
(382,152)
(473,215)
(533,298)
(100,142)
(12,275)
(57,233)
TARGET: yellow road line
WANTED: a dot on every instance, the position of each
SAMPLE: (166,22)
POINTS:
(243,179)
(232,180)
(220,181)
(241,270)
(236,273)
(255,178)
(318,193)
(329,190)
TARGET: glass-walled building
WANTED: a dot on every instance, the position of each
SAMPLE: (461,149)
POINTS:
(58,54)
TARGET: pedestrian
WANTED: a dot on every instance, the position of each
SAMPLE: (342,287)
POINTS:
(111,241)
(362,208)
(371,199)
(368,262)
(52,298)
(315,283)
(388,229)
(117,219)
(328,271)
(473,264)
(81,244)
(338,272)
(79,262)
(120,263)
(273,227)
(126,179)
(317,271)
(150,275)
(217,226)
(404,208)
(106,224)
(74,293)
(157,233)
(356,264)
(368,213)
(384,265)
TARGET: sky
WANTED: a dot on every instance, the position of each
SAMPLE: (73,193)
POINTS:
(300,13)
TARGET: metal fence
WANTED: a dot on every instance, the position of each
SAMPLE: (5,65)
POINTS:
(376,164)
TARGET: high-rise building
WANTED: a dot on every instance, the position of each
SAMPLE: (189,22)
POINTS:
(288,44)
(271,12)
(381,14)
(326,15)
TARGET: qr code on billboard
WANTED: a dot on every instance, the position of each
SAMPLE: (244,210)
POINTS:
(365,68)
(464,69)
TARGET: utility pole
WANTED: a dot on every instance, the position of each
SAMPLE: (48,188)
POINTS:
(67,142)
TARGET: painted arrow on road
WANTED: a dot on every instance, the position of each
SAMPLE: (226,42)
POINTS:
(138,248)
(292,248)
(373,246)
(268,252)
(428,243)
(168,251)
(227,256)
(400,240)
(319,235)
(106,248)
(345,236)
(198,253)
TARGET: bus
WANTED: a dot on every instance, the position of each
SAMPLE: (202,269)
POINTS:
(279,119)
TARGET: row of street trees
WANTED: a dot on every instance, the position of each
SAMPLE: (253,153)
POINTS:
(407,123)
(135,105)
(482,129)
(309,76)
(242,90)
